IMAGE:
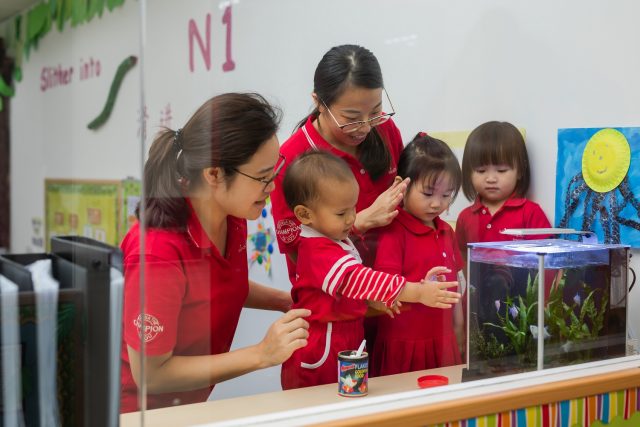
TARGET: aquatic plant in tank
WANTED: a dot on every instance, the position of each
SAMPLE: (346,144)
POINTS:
(582,304)
(575,325)
(517,320)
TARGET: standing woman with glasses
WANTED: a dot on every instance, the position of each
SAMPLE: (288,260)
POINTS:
(202,183)
(350,121)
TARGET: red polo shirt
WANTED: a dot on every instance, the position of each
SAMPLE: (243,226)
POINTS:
(193,299)
(421,337)
(307,138)
(409,248)
(476,224)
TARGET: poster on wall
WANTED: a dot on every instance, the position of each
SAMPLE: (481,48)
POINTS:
(596,189)
(131,190)
(100,210)
(261,241)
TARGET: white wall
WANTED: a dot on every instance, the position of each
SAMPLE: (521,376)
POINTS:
(49,135)
(448,66)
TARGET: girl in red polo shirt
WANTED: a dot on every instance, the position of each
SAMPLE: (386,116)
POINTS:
(348,121)
(331,280)
(202,183)
(421,337)
(496,175)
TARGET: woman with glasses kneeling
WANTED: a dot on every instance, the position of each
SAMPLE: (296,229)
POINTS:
(202,183)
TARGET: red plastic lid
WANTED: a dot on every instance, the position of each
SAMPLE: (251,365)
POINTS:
(432,381)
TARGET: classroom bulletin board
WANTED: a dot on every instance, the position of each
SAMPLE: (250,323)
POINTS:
(101,210)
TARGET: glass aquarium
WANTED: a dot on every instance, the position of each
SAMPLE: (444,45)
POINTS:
(536,304)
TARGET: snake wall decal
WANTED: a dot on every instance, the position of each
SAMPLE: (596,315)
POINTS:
(123,68)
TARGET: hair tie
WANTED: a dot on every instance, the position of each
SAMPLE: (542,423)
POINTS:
(177,143)
(422,134)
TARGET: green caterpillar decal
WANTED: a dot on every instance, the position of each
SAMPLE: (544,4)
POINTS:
(124,67)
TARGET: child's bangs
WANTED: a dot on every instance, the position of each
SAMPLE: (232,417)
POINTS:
(430,177)
(493,152)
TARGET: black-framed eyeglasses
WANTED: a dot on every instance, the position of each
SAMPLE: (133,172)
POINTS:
(267,181)
(373,121)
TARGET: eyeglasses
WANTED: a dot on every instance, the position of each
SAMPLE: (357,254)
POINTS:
(373,121)
(267,181)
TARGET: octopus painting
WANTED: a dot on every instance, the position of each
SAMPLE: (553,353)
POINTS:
(596,189)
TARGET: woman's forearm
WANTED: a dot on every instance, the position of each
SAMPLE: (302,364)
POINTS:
(185,373)
(267,298)
(169,373)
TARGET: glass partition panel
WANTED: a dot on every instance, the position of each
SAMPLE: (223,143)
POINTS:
(420,78)
(388,91)
(71,175)
(202,186)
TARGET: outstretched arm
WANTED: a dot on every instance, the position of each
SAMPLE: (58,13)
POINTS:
(364,283)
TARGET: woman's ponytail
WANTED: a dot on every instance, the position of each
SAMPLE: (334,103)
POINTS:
(165,206)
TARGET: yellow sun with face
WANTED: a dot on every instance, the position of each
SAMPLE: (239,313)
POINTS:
(605,160)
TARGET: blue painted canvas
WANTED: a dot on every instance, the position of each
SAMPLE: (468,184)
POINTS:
(598,183)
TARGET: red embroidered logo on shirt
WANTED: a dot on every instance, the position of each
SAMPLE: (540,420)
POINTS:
(152,326)
(287,230)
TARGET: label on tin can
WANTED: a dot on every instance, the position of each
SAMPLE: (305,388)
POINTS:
(353,374)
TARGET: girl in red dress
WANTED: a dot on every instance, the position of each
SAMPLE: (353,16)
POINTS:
(421,337)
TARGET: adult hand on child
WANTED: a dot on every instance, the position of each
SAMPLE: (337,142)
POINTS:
(383,210)
(435,292)
(285,335)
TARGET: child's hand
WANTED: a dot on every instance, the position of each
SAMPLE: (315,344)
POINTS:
(389,311)
(395,308)
(437,274)
(434,293)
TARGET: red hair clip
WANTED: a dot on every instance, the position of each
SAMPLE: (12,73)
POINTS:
(422,134)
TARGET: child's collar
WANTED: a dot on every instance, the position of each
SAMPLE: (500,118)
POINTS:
(512,201)
(310,232)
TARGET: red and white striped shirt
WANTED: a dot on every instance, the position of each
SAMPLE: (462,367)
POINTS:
(332,282)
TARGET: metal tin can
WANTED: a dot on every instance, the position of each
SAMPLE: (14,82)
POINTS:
(353,374)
